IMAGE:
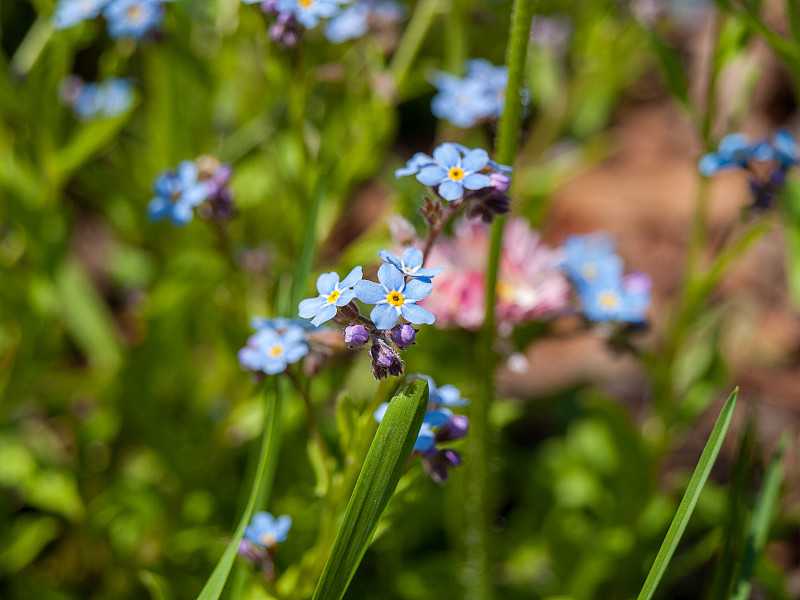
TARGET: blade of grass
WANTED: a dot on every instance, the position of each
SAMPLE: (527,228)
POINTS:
(212,590)
(383,467)
(689,499)
(762,519)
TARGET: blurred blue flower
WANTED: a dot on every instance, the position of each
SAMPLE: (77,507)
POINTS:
(393,297)
(433,420)
(265,530)
(590,258)
(410,263)
(271,350)
(133,18)
(465,101)
(446,395)
(452,172)
(69,13)
(309,12)
(734,150)
(177,193)
(332,294)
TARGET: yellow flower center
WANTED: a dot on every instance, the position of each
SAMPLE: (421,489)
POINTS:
(267,539)
(395,298)
(305,3)
(334,296)
(135,13)
(609,300)
(589,272)
(456,174)
(175,196)
(276,351)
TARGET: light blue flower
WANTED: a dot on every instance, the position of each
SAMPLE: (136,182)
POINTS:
(452,172)
(309,12)
(414,164)
(351,23)
(332,294)
(734,150)
(589,258)
(265,530)
(410,263)
(446,395)
(271,351)
(393,297)
(117,97)
(177,193)
(107,99)
(434,419)
(133,18)
(69,13)
(463,102)
(614,299)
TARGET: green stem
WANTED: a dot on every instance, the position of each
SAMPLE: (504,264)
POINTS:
(412,39)
(32,46)
(793,8)
(476,573)
(455,34)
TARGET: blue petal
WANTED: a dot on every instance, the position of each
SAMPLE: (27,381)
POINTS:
(187,173)
(425,439)
(447,155)
(432,175)
(384,316)
(369,292)
(437,418)
(181,214)
(326,313)
(451,190)
(352,278)
(381,411)
(310,306)
(428,272)
(412,258)
(449,395)
(414,313)
(327,282)
(158,208)
(733,145)
(195,194)
(281,527)
(274,365)
(390,257)
(710,164)
(476,181)
(475,160)
(416,290)
(295,353)
(345,297)
(391,277)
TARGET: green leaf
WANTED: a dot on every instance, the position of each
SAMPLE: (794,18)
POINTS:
(689,499)
(383,467)
(762,518)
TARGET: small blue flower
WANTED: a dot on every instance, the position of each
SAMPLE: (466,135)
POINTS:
(271,351)
(133,18)
(265,530)
(117,95)
(433,420)
(609,300)
(734,151)
(332,294)
(410,263)
(177,193)
(463,102)
(107,99)
(452,172)
(309,12)
(446,395)
(349,24)
(69,13)
(414,164)
(589,258)
(393,297)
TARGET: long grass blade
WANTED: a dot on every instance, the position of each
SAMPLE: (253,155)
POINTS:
(383,467)
(686,507)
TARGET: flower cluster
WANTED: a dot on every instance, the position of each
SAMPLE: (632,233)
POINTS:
(605,294)
(402,283)
(465,101)
(362,16)
(439,426)
(107,99)
(260,538)
(530,284)
(465,177)
(125,18)
(177,192)
(276,344)
(766,160)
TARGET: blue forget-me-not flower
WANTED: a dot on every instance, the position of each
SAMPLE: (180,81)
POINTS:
(394,297)
(270,350)
(332,294)
(177,192)
(104,100)
(309,12)
(465,101)
(69,13)
(355,20)
(445,395)
(451,172)
(410,263)
(133,18)
(265,530)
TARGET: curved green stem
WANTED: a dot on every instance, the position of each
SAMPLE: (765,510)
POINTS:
(476,573)
(412,39)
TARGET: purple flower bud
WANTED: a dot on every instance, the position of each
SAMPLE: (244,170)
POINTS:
(269,7)
(455,428)
(403,335)
(356,335)
(500,182)
(437,463)
(385,360)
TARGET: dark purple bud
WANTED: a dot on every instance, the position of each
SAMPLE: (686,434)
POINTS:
(456,428)
(437,463)
(385,360)
(356,335)
(500,182)
(269,7)
(286,31)
(403,335)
